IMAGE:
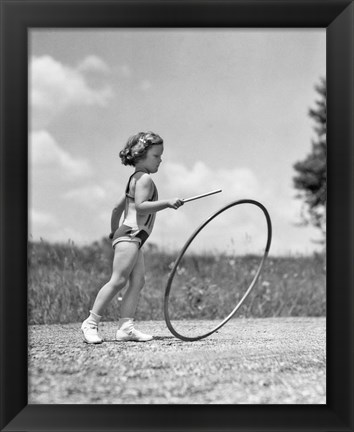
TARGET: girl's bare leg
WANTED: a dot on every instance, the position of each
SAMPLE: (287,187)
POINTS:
(126,330)
(125,258)
(136,283)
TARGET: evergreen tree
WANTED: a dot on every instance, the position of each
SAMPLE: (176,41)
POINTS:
(311,177)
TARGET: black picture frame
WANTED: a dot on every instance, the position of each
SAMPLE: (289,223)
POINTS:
(17,16)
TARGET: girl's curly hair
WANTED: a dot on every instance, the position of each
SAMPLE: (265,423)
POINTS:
(137,147)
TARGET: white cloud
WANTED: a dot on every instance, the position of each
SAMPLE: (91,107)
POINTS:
(174,227)
(55,86)
(68,233)
(42,219)
(145,85)
(60,235)
(94,195)
(45,152)
(41,225)
(93,63)
(125,70)
(46,226)
(235,183)
(87,195)
(240,229)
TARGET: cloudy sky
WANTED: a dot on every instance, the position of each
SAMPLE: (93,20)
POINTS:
(231,105)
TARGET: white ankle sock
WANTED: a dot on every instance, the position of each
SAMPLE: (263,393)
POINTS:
(125,322)
(94,318)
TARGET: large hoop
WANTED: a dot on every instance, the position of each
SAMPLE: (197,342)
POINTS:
(249,289)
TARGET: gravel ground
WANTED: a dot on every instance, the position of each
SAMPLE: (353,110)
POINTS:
(248,361)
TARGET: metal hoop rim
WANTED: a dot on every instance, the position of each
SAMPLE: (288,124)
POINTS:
(185,247)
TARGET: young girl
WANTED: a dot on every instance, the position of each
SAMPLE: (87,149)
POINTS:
(139,204)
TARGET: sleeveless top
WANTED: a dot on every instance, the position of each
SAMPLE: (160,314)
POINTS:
(138,222)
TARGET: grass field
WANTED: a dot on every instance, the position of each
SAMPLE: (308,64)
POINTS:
(63,280)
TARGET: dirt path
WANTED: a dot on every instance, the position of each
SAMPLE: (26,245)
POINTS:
(261,361)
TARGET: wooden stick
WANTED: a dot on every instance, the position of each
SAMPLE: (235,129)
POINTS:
(202,195)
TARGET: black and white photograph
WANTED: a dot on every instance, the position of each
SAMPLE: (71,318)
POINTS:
(177,184)
(176,215)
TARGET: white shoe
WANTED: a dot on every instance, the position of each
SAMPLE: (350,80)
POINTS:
(127,332)
(90,333)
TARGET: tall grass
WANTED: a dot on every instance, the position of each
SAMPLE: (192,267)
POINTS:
(63,280)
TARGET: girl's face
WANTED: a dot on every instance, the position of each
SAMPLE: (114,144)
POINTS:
(152,159)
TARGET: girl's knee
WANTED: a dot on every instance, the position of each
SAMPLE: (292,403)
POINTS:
(118,281)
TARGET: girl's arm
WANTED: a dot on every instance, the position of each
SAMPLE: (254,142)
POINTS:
(143,206)
(117,213)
